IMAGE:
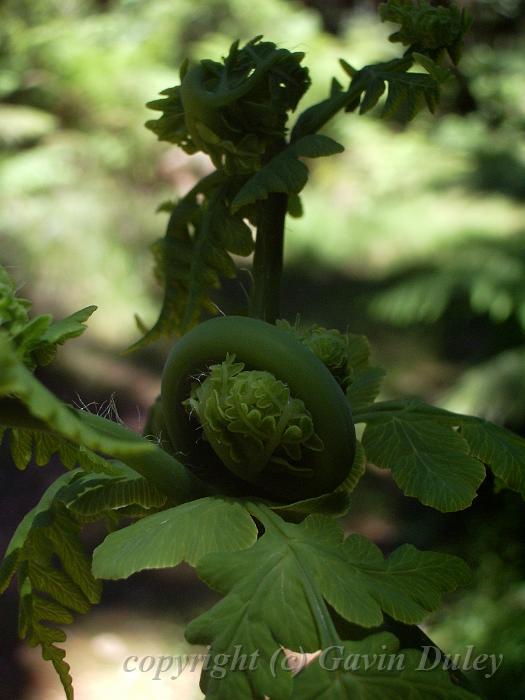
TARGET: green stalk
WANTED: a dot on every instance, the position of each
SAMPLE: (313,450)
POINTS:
(151,462)
(268,258)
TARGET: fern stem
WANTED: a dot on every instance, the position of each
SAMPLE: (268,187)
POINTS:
(268,258)
(314,118)
(153,463)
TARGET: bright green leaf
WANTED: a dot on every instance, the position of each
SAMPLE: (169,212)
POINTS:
(184,533)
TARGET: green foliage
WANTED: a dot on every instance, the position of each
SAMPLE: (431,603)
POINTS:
(425,27)
(285,172)
(236,111)
(35,340)
(489,272)
(27,445)
(54,573)
(287,569)
(501,449)
(251,420)
(368,683)
(218,109)
(47,555)
(282,580)
(125,492)
(428,460)
(25,402)
(194,255)
(347,356)
(488,275)
(434,462)
(493,389)
(185,533)
(407,92)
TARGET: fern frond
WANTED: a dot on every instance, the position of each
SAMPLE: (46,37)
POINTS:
(101,494)
(47,555)
(406,92)
(194,256)
(427,28)
(54,575)
(35,339)
(33,445)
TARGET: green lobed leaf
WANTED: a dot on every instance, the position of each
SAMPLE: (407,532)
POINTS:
(285,172)
(429,460)
(374,669)
(184,533)
(274,595)
(502,450)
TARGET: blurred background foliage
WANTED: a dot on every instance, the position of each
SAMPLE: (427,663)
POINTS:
(414,235)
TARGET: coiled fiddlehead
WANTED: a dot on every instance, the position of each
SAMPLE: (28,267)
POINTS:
(235,111)
(270,409)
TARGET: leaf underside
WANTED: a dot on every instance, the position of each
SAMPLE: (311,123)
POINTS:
(184,533)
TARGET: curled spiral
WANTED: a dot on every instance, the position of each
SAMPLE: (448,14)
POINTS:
(235,111)
(245,398)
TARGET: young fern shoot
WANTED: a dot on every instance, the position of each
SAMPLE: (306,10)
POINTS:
(255,452)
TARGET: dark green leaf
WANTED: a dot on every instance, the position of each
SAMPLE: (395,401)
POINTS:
(54,574)
(275,592)
(429,460)
(374,669)
(285,172)
(502,450)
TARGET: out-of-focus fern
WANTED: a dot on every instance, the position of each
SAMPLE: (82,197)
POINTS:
(48,557)
(494,389)
(489,274)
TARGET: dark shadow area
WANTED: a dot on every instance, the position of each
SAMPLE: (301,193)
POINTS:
(498,172)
